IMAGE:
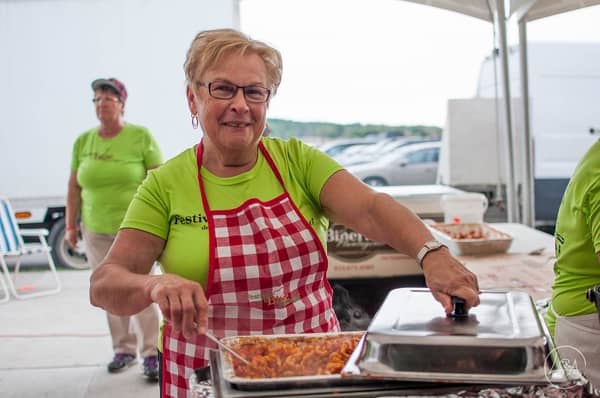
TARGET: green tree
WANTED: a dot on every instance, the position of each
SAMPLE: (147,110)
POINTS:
(288,128)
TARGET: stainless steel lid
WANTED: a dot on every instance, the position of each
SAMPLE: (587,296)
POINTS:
(411,338)
(503,317)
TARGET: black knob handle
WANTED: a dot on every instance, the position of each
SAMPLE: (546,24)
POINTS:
(459,310)
(593,295)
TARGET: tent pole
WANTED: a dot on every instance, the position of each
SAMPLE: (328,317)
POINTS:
(528,192)
(500,20)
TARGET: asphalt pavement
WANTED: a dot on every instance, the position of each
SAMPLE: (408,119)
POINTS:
(58,346)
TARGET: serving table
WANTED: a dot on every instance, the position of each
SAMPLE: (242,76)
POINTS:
(526,266)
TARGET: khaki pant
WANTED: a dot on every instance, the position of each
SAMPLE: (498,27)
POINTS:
(578,341)
(124,338)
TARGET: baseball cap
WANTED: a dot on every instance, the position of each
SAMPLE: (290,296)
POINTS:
(113,83)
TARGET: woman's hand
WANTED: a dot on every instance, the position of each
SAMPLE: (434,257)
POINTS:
(71,237)
(182,303)
(446,276)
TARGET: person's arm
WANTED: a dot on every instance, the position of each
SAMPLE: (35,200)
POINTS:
(379,217)
(152,154)
(122,284)
(72,210)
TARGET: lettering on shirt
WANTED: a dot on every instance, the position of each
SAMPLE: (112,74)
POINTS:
(97,155)
(199,218)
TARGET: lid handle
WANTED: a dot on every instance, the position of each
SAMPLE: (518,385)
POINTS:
(459,311)
(593,294)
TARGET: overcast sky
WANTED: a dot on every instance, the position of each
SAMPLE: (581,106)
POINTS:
(383,61)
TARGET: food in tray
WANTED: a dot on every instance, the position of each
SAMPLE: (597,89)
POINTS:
(276,357)
(469,231)
(471,239)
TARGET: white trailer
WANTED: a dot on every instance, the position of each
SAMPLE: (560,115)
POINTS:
(564,88)
(51,51)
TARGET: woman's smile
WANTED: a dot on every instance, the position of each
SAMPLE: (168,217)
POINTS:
(237,124)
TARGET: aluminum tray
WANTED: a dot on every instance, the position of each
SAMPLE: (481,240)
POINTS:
(245,383)
(501,341)
(475,239)
(349,388)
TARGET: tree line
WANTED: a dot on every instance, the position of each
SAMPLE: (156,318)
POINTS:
(290,128)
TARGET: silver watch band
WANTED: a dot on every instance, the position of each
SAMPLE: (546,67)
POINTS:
(427,248)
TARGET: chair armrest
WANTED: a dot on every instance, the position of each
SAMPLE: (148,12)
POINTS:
(33,232)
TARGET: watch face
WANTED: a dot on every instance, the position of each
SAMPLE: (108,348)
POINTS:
(432,245)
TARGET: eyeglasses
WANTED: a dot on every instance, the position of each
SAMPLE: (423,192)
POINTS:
(106,99)
(224,90)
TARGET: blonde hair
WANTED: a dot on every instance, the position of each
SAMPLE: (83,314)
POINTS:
(209,46)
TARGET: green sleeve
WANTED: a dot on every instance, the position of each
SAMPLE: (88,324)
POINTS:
(152,154)
(76,153)
(147,211)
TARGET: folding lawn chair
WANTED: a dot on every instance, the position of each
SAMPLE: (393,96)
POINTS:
(6,293)
(13,246)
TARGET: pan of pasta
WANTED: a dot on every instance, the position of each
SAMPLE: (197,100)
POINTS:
(281,360)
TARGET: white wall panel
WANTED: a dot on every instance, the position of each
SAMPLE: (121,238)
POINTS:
(51,50)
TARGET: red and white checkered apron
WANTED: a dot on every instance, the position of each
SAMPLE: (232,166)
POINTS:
(267,275)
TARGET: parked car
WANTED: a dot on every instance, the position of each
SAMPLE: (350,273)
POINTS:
(335,147)
(413,164)
(355,151)
(369,153)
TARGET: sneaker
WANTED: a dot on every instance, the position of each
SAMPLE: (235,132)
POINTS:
(120,362)
(151,368)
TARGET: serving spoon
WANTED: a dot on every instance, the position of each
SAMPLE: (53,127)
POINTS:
(227,348)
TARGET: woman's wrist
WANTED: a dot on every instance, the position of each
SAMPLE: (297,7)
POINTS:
(71,228)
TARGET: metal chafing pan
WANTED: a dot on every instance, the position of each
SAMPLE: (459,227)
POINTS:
(227,384)
(501,341)
(348,388)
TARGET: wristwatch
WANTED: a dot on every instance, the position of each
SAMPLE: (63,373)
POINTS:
(427,248)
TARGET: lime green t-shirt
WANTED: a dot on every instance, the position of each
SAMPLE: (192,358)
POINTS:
(577,240)
(109,171)
(168,204)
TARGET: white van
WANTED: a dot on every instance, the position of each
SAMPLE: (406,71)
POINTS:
(564,87)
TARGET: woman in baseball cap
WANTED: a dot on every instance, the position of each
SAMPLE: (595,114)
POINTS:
(109,162)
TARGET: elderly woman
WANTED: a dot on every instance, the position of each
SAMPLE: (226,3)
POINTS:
(239,222)
(109,162)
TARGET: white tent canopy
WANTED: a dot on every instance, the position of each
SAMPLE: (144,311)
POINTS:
(520,11)
(529,10)
(474,8)
(534,9)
